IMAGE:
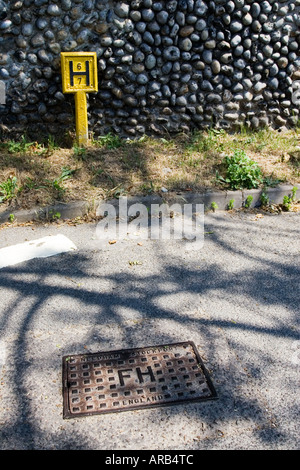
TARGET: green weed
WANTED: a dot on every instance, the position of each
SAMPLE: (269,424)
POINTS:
(22,146)
(79,151)
(214,206)
(109,141)
(205,142)
(147,188)
(264,199)
(288,200)
(248,201)
(241,172)
(8,189)
(66,173)
(287,203)
(231,204)
(57,185)
(51,144)
(271,182)
(30,184)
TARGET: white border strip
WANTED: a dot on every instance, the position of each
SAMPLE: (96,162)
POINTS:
(41,248)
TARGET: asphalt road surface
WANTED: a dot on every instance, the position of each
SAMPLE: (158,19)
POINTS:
(236,297)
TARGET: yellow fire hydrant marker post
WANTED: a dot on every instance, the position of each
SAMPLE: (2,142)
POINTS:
(79,76)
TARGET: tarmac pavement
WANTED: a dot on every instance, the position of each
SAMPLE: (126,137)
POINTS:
(236,297)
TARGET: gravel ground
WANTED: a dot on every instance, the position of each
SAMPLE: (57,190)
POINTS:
(236,298)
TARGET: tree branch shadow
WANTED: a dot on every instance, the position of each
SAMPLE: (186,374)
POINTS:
(133,310)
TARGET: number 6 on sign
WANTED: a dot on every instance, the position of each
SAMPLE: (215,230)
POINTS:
(79,76)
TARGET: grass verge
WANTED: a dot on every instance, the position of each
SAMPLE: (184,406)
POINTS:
(40,174)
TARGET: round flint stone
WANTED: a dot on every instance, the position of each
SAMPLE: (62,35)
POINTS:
(53,10)
(247,19)
(171,53)
(5,24)
(37,40)
(153,87)
(216,66)
(142,79)
(41,23)
(150,61)
(186,44)
(236,26)
(27,29)
(283,62)
(255,10)
(122,10)
(4,73)
(162,17)
(147,14)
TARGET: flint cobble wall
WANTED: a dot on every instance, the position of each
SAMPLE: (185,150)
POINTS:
(163,66)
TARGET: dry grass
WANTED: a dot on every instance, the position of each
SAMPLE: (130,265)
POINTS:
(110,167)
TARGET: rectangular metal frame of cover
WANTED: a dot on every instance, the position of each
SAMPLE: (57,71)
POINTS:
(131,379)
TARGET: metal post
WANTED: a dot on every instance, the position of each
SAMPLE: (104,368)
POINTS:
(81,118)
(79,76)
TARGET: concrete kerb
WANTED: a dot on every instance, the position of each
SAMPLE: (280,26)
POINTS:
(48,213)
(222,199)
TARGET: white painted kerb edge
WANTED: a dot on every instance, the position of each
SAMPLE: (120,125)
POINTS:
(41,248)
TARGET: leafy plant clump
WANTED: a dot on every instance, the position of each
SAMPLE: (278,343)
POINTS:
(214,206)
(248,201)
(287,203)
(110,141)
(231,204)
(264,199)
(57,184)
(8,189)
(241,172)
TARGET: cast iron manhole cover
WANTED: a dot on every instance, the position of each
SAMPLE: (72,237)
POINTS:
(131,379)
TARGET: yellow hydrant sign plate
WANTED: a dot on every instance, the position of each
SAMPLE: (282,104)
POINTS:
(79,72)
(80,76)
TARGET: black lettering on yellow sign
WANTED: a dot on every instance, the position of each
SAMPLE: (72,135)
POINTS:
(80,73)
